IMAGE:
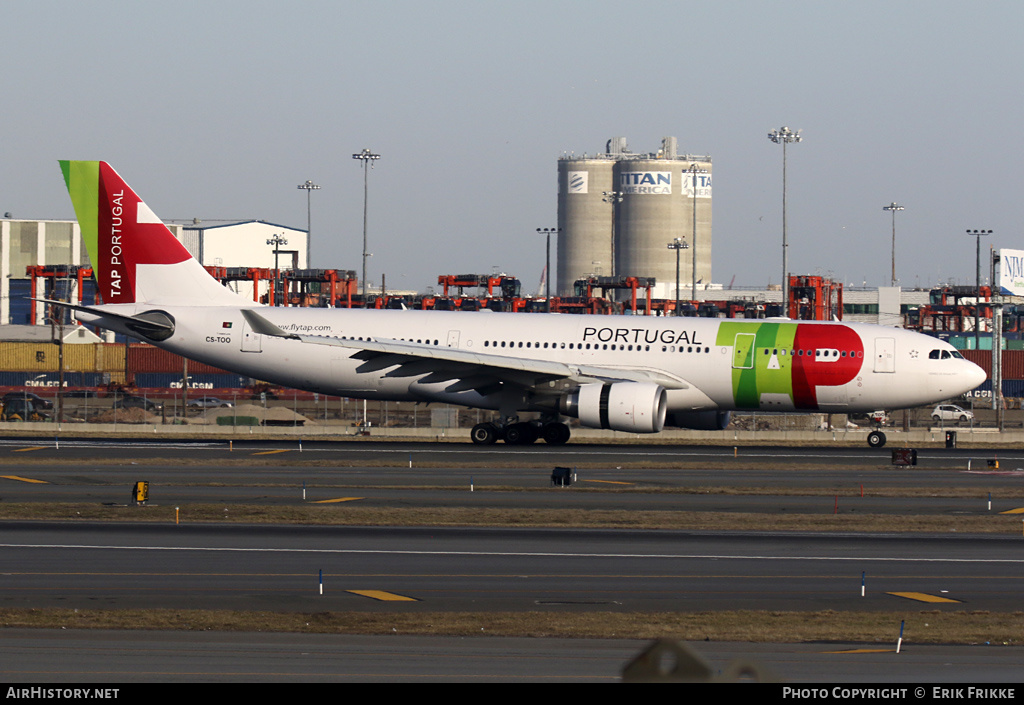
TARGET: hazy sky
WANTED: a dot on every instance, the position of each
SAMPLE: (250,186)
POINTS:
(218,110)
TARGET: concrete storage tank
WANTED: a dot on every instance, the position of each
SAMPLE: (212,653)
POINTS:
(585,218)
(657,207)
(618,211)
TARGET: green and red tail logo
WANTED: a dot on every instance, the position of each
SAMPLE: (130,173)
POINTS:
(120,231)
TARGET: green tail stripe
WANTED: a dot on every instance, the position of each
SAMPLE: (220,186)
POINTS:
(83,182)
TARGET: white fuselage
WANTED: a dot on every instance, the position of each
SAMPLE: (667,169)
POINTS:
(721,364)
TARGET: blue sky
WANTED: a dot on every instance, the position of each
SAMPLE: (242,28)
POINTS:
(219,110)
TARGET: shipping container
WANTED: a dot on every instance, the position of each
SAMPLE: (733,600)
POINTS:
(109,357)
(170,380)
(1013,362)
(45,357)
(1012,389)
(51,380)
(146,358)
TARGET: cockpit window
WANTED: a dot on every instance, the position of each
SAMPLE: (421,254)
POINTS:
(933,355)
(957,355)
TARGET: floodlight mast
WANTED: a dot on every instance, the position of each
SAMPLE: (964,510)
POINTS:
(694,170)
(367,157)
(784,136)
(894,206)
(977,235)
(309,187)
(677,245)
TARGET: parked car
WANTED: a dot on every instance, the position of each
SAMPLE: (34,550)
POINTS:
(133,402)
(35,400)
(209,403)
(951,412)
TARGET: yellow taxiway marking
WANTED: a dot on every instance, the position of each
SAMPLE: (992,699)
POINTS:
(339,499)
(272,452)
(383,596)
(861,651)
(22,450)
(922,597)
(1018,510)
(24,479)
(611,482)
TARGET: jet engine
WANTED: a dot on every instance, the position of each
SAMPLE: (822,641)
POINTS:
(699,420)
(635,407)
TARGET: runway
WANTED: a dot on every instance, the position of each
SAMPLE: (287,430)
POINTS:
(433,569)
(703,479)
(388,570)
(134,657)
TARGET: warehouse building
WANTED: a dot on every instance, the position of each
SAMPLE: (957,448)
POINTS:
(246,245)
(57,244)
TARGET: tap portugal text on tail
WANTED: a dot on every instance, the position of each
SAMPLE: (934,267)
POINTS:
(637,374)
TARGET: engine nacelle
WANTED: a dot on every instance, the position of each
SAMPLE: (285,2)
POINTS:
(635,407)
(699,420)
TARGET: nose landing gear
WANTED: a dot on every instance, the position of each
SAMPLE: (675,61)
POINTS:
(876,439)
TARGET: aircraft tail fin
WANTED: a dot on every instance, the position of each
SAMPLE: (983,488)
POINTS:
(135,257)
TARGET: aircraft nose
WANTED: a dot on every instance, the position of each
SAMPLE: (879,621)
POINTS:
(975,376)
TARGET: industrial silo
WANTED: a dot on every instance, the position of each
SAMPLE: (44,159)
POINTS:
(643,202)
(657,207)
(585,216)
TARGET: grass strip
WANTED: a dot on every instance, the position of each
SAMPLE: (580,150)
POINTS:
(923,627)
(348,514)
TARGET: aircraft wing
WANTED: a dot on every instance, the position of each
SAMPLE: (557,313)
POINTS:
(466,370)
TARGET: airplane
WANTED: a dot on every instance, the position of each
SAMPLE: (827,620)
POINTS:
(635,374)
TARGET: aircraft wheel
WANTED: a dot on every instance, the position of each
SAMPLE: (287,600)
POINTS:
(556,434)
(876,439)
(520,434)
(484,434)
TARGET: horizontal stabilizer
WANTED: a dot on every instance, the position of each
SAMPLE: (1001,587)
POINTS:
(152,325)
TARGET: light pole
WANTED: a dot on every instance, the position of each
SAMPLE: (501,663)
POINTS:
(309,187)
(614,198)
(677,245)
(784,136)
(367,158)
(977,235)
(547,267)
(694,170)
(894,206)
(276,241)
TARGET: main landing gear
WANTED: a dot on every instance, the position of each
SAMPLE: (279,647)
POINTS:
(523,433)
